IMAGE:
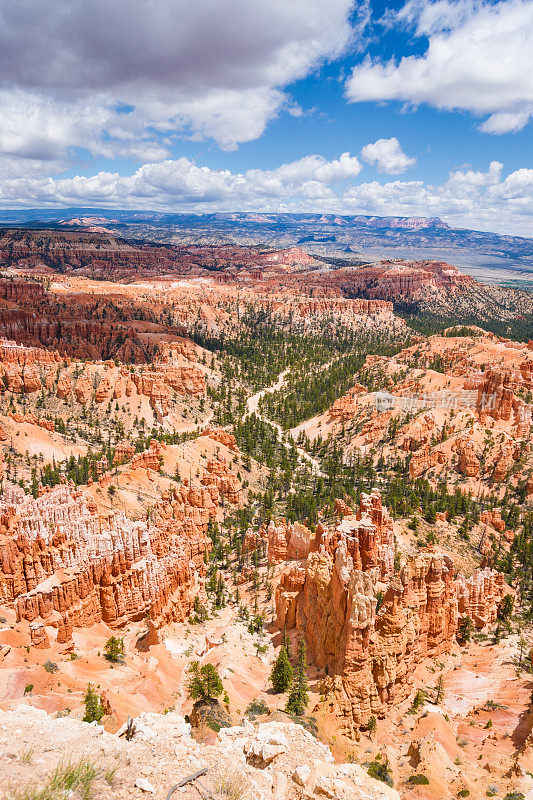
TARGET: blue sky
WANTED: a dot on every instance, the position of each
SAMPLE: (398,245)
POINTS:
(235,106)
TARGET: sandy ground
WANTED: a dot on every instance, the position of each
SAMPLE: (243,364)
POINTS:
(452,743)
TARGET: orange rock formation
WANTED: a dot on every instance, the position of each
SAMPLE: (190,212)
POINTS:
(63,566)
(371,653)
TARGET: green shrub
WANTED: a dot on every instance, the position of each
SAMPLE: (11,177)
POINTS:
(257,708)
(418,780)
(380,771)
(204,682)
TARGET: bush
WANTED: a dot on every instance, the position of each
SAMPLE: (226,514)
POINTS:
(232,785)
(67,778)
(418,780)
(464,631)
(308,723)
(418,700)
(257,708)
(28,688)
(380,771)
(50,667)
(505,609)
(209,714)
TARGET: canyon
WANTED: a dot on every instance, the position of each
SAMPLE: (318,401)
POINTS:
(199,445)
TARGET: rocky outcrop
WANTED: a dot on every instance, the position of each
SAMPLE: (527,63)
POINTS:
(218,475)
(493,518)
(346,407)
(83,390)
(158,384)
(309,309)
(124,451)
(468,464)
(370,652)
(25,370)
(478,597)
(421,461)
(149,459)
(220,435)
(504,461)
(286,541)
(63,566)
(397,280)
(16,291)
(32,419)
(273,760)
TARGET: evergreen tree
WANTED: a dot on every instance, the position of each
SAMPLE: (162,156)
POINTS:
(505,609)
(464,630)
(298,697)
(286,644)
(204,682)
(281,675)
(114,650)
(93,708)
(439,689)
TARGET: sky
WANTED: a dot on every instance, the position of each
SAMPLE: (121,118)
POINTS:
(417,108)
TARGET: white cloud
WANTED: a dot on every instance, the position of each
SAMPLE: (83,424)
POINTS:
(387,156)
(113,78)
(476,178)
(468,198)
(479,58)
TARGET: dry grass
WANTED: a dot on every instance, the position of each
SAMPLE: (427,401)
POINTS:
(232,785)
(27,755)
(76,778)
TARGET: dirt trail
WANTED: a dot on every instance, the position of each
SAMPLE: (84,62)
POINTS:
(252,406)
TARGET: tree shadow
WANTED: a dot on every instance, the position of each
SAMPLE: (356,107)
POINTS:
(524,729)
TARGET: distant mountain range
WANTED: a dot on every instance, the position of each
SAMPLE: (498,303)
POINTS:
(489,257)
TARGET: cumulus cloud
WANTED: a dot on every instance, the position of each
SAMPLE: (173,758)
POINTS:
(469,198)
(479,58)
(181,181)
(114,77)
(388,156)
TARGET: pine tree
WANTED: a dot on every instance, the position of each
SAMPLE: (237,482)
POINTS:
(93,708)
(114,650)
(286,643)
(281,675)
(298,697)
(464,630)
(204,682)
(439,689)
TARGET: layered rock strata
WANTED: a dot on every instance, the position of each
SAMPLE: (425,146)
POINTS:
(371,652)
(63,565)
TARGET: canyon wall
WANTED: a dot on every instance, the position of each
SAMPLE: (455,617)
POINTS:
(370,652)
(64,566)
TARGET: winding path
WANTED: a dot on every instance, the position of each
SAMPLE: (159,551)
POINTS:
(252,407)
